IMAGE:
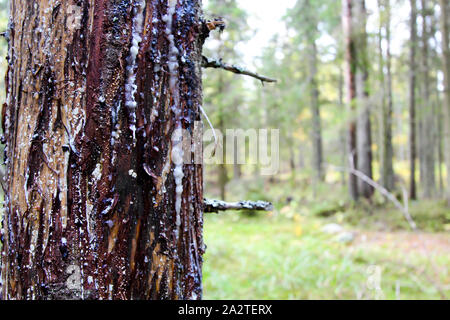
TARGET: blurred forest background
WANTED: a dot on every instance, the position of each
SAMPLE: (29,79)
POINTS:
(375,96)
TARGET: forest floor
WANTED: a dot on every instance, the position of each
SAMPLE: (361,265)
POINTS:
(324,249)
(420,243)
(279,258)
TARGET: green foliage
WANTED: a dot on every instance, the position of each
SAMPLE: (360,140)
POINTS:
(310,18)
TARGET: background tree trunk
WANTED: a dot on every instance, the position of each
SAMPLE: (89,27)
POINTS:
(342,131)
(364,134)
(387,173)
(315,108)
(95,208)
(427,149)
(223,177)
(350,67)
(446,65)
(412,102)
(316,131)
(382,89)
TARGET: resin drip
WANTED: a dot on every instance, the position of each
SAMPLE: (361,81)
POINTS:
(130,85)
(177,138)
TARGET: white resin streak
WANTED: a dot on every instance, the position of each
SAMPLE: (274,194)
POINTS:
(130,85)
(177,138)
(6,200)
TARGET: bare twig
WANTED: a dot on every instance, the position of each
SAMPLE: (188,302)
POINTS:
(216,140)
(219,64)
(2,178)
(214,206)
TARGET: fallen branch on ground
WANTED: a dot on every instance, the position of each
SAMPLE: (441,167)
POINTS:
(219,64)
(402,207)
(214,206)
(405,210)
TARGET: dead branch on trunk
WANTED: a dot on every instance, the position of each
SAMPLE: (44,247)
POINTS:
(208,26)
(214,206)
(219,64)
(217,23)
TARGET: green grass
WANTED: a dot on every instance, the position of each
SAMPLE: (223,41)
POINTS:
(430,216)
(290,258)
(285,255)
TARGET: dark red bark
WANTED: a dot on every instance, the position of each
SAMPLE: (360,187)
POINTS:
(89,209)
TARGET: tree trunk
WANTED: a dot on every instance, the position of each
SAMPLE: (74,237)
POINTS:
(364,134)
(291,154)
(436,110)
(301,157)
(387,176)
(412,101)
(223,172)
(222,168)
(316,131)
(446,65)
(98,203)
(316,121)
(342,131)
(382,91)
(438,118)
(427,146)
(350,67)
(237,168)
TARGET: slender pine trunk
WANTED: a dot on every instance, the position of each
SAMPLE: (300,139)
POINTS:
(412,102)
(388,169)
(316,120)
(364,131)
(446,65)
(427,150)
(350,67)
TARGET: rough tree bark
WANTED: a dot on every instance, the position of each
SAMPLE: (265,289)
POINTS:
(446,65)
(412,101)
(350,68)
(98,204)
